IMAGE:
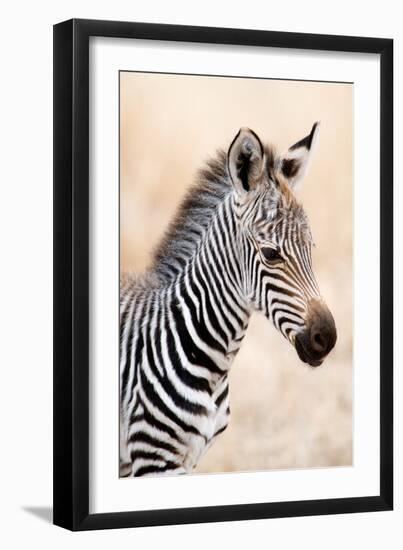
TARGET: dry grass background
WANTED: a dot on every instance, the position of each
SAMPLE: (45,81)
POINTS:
(284,414)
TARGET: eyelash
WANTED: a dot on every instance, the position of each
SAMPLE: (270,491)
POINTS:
(271,255)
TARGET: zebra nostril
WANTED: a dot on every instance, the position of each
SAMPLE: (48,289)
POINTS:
(319,342)
(321,330)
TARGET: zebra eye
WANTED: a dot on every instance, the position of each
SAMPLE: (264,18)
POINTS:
(271,255)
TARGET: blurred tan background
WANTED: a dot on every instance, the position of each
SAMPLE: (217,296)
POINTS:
(284,414)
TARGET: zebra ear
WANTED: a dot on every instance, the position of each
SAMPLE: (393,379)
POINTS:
(245,160)
(294,162)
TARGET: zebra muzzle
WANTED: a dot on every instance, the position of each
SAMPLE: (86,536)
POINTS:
(318,338)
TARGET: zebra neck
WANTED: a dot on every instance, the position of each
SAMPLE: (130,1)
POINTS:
(206,301)
(206,332)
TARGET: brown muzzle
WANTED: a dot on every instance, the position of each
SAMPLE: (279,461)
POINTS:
(319,336)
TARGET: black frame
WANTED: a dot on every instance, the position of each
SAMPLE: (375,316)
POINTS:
(71,274)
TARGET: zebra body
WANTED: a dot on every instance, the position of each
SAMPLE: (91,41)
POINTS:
(178,356)
(183,322)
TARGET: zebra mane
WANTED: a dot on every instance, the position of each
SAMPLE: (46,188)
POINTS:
(194,215)
(192,218)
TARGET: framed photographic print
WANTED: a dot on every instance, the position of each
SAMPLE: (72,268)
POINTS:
(223,318)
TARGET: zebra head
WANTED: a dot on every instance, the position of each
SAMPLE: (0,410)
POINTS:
(276,242)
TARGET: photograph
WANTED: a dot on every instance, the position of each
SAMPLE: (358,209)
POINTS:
(236,274)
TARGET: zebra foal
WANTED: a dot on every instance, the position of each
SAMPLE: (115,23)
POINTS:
(240,242)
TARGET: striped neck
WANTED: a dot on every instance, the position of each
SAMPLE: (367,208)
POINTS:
(206,299)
